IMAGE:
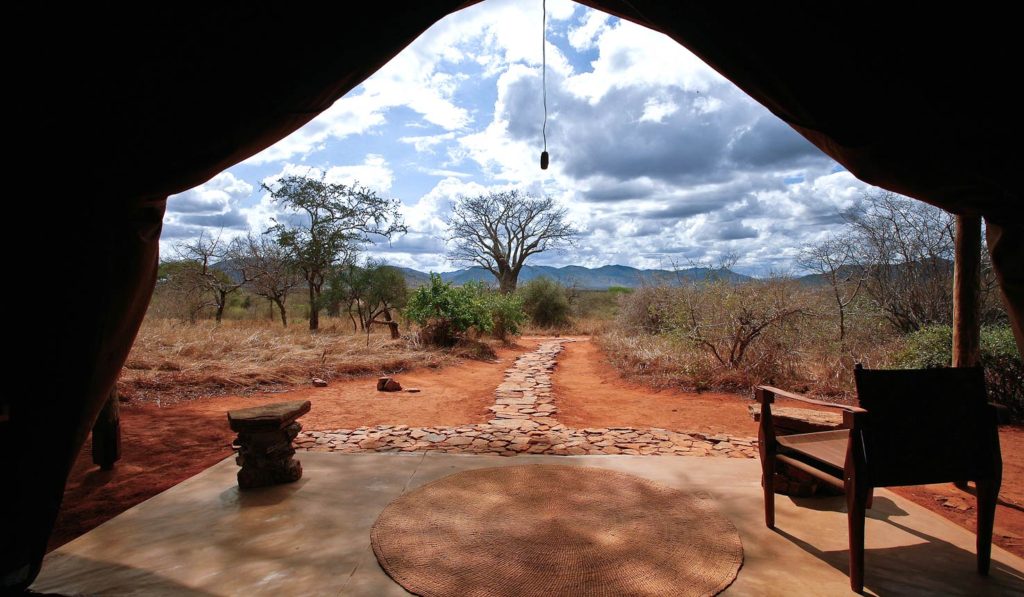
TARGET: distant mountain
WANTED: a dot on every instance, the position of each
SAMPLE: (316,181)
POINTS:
(599,278)
(852,272)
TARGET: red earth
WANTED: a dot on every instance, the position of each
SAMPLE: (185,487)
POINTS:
(162,446)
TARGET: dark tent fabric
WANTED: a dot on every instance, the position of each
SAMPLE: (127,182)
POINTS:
(162,98)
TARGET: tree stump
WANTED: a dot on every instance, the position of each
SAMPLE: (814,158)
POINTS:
(265,435)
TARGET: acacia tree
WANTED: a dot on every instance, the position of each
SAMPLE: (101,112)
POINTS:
(181,281)
(500,231)
(206,251)
(387,291)
(274,275)
(331,219)
(906,247)
(726,319)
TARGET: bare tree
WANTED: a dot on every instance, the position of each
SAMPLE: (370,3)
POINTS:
(273,275)
(181,283)
(834,259)
(906,247)
(207,251)
(500,231)
(725,319)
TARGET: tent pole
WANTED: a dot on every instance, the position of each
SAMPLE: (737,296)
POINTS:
(966,292)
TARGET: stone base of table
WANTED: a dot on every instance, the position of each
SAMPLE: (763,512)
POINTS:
(264,442)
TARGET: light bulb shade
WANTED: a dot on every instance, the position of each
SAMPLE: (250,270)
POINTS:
(543,160)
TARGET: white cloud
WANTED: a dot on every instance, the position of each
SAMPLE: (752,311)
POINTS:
(657,157)
(656,110)
(427,143)
(634,56)
(374,173)
(585,36)
(216,196)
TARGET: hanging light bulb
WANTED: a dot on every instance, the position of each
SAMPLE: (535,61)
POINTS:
(544,82)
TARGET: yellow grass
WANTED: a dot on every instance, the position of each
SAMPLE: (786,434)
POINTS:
(171,360)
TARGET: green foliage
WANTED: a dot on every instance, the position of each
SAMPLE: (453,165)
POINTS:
(446,312)
(932,346)
(619,290)
(508,314)
(386,286)
(333,219)
(545,301)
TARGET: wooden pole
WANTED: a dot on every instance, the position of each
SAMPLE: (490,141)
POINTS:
(966,292)
(106,435)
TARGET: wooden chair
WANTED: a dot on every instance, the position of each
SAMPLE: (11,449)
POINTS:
(912,427)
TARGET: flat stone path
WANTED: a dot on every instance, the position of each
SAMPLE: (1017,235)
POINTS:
(525,422)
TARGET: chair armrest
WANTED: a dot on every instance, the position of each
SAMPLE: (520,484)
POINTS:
(772,391)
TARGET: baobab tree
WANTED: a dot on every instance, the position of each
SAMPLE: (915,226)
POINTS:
(500,231)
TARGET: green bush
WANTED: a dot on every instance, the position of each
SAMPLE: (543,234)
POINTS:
(932,346)
(445,312)
(929,347)
(507,314)
(546,303)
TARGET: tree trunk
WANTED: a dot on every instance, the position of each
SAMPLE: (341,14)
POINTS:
(392,325)
(507,282)
(314,311)
(220,305)
(284,314)
(106,434)
(355,328)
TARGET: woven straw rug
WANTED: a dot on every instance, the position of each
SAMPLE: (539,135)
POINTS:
(553,531)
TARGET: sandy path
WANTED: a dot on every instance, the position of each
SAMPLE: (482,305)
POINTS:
(591,393)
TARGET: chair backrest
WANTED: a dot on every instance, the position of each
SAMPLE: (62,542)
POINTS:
(926,425)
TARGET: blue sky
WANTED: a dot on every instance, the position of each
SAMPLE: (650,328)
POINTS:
(658,159)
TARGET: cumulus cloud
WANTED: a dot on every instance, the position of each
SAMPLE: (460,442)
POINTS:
(657,158)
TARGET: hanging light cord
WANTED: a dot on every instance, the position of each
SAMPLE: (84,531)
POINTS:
(544,69)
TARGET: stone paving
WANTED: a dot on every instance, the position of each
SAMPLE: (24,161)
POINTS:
(525,422)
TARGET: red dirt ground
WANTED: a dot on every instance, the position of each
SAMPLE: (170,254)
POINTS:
(164,446)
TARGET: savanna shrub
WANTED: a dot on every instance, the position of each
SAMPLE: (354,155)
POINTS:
(446,312)
(932,346)
(545,301)
(507,314)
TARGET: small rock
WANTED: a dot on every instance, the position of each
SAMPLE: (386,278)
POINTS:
(956,504)
(412,390)
(317,382)
(388,384)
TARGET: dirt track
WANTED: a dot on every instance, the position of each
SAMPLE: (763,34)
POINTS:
(164,446)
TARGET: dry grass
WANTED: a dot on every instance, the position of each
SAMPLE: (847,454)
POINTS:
(577,326)
(171,361)
(661,361)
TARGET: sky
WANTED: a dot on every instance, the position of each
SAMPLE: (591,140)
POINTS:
(659,160)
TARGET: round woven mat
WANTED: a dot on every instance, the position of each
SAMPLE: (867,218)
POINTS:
(553,531)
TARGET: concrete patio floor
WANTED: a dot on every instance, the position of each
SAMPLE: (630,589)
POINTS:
(203,537)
